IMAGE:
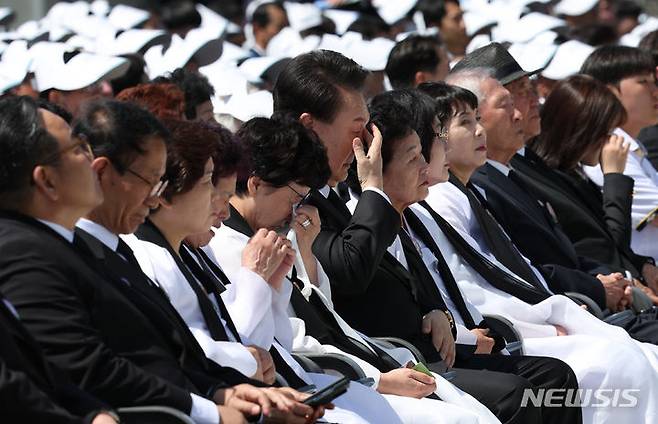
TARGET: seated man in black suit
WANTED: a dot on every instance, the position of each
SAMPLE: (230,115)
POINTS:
(85,323)
(31,390)
(322,90)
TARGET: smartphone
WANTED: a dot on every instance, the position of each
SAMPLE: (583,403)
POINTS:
(329,393)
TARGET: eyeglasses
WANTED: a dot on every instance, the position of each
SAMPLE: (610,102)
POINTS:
(82,144)
(302,197)
(156,189)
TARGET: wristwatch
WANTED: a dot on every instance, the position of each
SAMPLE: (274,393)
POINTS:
(451,320)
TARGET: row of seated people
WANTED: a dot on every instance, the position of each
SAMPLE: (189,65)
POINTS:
(140,295)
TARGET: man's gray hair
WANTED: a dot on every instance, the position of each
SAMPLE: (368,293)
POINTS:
(471,79)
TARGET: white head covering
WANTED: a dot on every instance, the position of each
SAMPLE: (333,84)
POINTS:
(526,28)
(574,7)
(342,18)
(245,107)
(568,60)
(127,17)
(303,16)
(81,71)
(392,11)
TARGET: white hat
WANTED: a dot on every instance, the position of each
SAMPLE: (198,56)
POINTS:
(32,30)
(100,7)
(253,68)
(422,32)
(478,41)
(373,54)
(342,18)
(127,17)
(303,16)
(535,54)
(568,59)
(15,65)
(83,70)
(392,11)
(475,21)
(135,40)
(64,13)
(526,28)
(574,7)
(231,53)
(198,44)
(226,79)
(212,20)
(6,14)
(246,107)
(634,37)
(288,43)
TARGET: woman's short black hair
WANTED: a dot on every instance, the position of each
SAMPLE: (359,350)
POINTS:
(196,87)
(449,99)
(413,54)
(117,130)
(24,142)
(611,64)
(391,113)
(281,151)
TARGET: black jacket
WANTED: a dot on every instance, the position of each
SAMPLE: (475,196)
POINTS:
(595,223)
(526,220)
(85,324)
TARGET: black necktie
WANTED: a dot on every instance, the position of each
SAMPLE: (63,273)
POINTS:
(443,269)
(124,250)
(338,203)
(500,245)
(210,316)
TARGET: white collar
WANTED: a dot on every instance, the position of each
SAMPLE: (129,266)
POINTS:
(499,166)
(103,235)
(521,151)
(62,231)
(325,191)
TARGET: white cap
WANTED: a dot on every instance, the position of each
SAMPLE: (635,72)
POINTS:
(5,13)
(212,20)
(373,54)
(526,28)
(634,37)
(303,16)
(342,18)
(100,7)
(288,43)
(246,107)
(422,32)
(392,11)
(475,20)
(231,53)
(15,65)
(535,54)
(127,17)
(226,79)
(198,44)
(574,7)
(478,41)
(134,40)
(253,68)
(65,13)
(568,60)
(83,70)
(32,30)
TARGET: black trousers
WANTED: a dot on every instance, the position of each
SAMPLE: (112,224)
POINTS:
(498,382)
(644,327)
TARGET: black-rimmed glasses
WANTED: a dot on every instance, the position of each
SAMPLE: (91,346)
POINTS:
(302,197)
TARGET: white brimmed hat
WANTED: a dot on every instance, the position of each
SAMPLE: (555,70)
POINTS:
(574,7)
(83,70)
(568,59)
(126,17)
(526,28)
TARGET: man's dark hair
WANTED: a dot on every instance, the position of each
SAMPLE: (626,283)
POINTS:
(449,99)
(24,143)
(413,54)
(261,16)
(136,73)
(281,151)
(179,14)
(310,83)
(117,130)
(627,9)
(196,87)
(370,26)
(56,109)
(650,43)
(611,64)
(392,114)
(594,34)
(433,10)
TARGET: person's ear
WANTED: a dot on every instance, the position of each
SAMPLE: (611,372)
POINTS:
(253,185)
(44,183)
(306,120)
(101,167)
(419,78)
(54,96)
(615,90)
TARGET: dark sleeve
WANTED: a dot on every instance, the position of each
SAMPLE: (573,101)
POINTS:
(561,280)
(594,267)
(351,256)
(617,203)
(23,401)
(51,308)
